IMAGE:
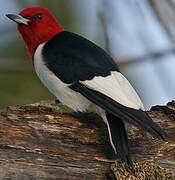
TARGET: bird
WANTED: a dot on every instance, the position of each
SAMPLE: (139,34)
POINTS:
(83,77)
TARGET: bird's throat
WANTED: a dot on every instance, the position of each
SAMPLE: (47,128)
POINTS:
(33,39)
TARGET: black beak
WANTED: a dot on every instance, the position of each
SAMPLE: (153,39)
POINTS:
(19,19)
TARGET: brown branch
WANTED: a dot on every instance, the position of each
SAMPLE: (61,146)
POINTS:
(37,142)
(19,65)
(150,56)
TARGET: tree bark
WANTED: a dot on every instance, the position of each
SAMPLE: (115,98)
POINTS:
(39,142)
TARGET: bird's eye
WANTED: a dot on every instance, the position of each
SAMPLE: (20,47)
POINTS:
(39,16)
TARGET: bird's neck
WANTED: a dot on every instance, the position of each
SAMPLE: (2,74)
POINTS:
(33,40)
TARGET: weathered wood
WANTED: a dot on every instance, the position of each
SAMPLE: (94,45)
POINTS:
(38,142)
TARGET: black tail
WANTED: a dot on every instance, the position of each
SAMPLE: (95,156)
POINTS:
(122,114)
(119,138)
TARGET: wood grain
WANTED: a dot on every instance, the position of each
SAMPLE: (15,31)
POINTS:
(38,142)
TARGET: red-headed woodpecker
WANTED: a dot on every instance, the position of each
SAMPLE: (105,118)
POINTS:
(83,76)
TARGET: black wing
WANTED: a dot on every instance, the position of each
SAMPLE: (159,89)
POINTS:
(72,58)
(136,117)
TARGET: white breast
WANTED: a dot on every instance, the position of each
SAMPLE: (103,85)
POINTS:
(61,90)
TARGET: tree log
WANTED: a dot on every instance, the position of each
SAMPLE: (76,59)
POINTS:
(39,142)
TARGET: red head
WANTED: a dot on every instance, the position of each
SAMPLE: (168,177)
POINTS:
(36,25)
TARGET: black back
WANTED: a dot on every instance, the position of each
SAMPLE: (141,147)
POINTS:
(72,58)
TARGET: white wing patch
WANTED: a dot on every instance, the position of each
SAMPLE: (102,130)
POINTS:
(117,87)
